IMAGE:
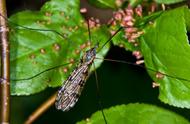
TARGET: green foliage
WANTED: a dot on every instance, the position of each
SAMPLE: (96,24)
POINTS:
(164,46)
(169,1)
(34,51)
(136,114)
(165,49)
(135,2)
(104,3)
(141,24)
(119,39)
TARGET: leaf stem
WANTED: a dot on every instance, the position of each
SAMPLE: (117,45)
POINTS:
(5,70)
(40,110)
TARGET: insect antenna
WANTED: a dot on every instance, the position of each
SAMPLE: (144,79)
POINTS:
(89,32)
(110,38)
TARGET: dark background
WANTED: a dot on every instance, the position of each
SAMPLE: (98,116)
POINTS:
(119,84)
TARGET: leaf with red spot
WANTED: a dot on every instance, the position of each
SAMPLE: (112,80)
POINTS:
(33,51)
(165,49)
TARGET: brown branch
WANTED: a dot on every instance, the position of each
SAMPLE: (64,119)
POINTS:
(41,109)
(5,73)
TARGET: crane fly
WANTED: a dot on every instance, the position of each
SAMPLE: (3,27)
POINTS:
(69,93)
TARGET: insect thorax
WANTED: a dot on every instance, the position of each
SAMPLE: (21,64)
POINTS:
(89,56)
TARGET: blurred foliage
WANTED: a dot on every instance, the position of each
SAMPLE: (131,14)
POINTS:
(103,3)
(169,1)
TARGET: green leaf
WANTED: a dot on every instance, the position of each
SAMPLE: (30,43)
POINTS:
(136,114)
(33,51)
(120,40)
(169,1)
(141,23)
(134,3)
(166,49)
(104,3)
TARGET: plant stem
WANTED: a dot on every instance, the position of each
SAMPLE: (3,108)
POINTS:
(41,109)
(5,72)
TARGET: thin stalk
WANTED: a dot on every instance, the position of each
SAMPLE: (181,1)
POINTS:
(39,111)
(5,70)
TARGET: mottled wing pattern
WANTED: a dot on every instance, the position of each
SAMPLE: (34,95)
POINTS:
(70,91)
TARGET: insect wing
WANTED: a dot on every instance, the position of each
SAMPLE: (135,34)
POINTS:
(70,91)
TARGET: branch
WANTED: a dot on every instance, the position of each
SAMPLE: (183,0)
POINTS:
(5,73)
(41,109)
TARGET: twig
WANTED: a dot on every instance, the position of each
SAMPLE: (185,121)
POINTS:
(40,110)
(5,72)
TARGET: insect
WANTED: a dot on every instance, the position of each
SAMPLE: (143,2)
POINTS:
(69,93)
(82,64)
(85,63)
